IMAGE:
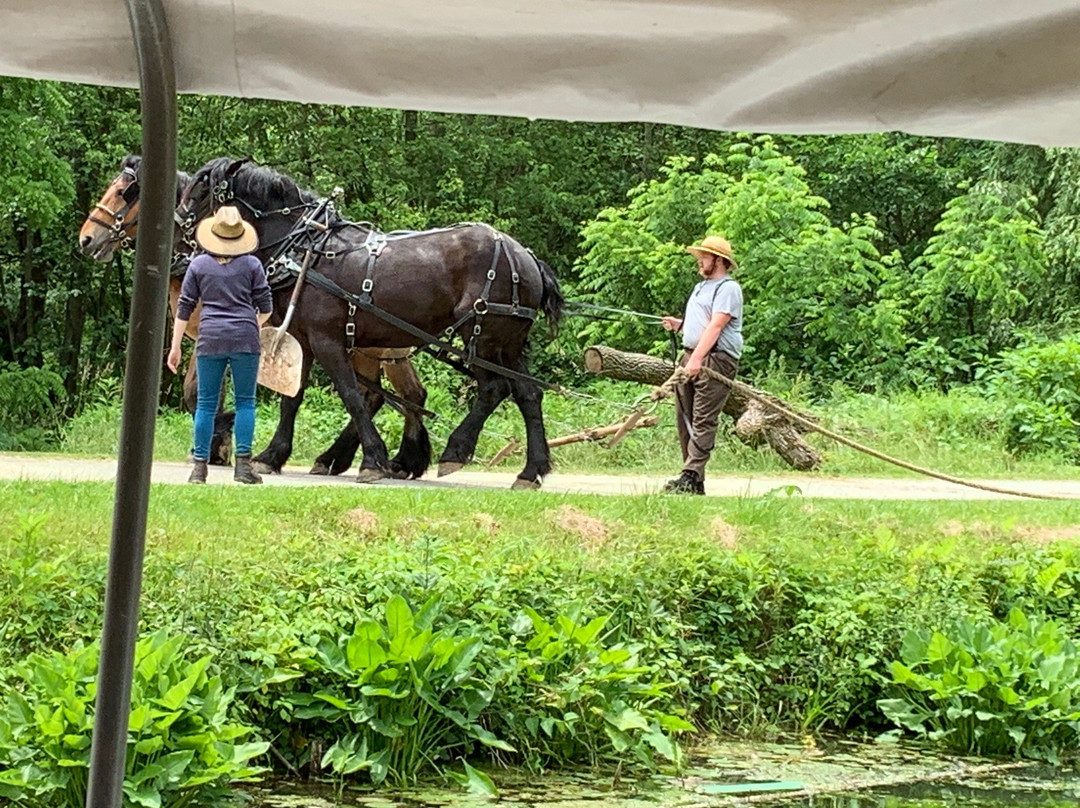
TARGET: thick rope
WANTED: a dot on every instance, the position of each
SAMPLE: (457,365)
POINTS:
(680,376)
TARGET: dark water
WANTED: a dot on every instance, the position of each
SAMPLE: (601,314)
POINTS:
(742,774)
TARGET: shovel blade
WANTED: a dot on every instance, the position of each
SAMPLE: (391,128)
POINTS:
(280,368)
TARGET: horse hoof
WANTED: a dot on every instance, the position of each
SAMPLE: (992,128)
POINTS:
(263,468)
(371,475)
(449,468)
(526,485)
(320,469)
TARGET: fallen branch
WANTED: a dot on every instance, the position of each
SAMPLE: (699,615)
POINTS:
(619,431)
(602,432)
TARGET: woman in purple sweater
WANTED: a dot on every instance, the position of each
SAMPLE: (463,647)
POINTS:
(231,285)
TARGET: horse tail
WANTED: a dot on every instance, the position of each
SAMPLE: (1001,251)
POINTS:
(551,298)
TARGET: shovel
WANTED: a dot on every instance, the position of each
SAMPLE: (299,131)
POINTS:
(282,361)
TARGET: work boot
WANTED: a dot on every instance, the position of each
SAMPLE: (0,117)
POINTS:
(244,472)
(198,472)
(689,482)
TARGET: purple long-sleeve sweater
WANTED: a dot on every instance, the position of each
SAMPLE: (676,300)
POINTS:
(230,295)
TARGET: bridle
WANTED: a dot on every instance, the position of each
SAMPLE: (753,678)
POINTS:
(119,227)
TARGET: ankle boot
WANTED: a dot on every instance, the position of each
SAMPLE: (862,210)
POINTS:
(198,472)
(244,472)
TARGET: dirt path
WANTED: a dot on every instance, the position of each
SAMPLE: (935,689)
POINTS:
(50,467)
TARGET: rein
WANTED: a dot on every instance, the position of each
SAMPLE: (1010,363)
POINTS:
(118,228)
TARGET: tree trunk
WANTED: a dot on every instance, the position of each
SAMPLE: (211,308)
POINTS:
(755,424)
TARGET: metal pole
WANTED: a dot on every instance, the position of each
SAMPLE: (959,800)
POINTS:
(142,379)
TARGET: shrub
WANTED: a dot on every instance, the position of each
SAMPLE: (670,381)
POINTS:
(406,696)
(567,697)
(1039,387)
(30,409)
(998,688)
(181,749)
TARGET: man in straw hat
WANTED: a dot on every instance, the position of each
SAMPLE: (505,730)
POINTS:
(712,338)
(231,285)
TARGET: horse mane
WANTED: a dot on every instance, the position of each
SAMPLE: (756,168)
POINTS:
(256,181)
(134,162)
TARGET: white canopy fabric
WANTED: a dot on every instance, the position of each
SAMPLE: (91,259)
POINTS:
(993,69)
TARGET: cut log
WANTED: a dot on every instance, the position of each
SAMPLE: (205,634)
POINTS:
(755,424)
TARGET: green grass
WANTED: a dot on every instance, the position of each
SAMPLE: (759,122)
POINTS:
(754,613)
(252,526)
(959,433)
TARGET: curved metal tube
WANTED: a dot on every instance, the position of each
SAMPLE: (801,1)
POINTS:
(142,379)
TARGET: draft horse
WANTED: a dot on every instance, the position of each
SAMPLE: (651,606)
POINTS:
(112,225)
(364,288)
(101,237)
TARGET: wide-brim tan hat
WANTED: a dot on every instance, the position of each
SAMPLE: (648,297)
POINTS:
(714,245)
(226,233)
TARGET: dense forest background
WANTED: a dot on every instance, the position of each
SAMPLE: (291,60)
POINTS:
(883,262)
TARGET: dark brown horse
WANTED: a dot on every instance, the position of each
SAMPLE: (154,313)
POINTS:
(396,290)
(113,223)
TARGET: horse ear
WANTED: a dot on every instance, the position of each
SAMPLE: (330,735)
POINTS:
(131,193)
(236,166)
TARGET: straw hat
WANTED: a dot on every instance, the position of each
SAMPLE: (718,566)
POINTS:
(714,245)
(225,233)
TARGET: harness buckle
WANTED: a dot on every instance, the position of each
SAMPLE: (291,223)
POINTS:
(491,275)
(350,329)
(367,285)
(480,306)
(476,330)
(330,255)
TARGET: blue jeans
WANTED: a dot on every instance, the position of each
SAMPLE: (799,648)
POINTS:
(211,370)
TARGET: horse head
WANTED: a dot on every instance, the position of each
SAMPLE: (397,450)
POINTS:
(269,200)
(113,221)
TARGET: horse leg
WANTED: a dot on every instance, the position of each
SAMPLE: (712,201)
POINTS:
(339,457)
(414,455)
(528,396)
(221,440)
(273,457)
(375,464)
(491,390)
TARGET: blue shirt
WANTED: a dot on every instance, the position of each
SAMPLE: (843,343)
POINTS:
(230,295)
(719,296)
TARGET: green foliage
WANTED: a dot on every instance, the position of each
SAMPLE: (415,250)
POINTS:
(30,408)
(581,624)
(992,689)
(978,271)
(407,696)
(47,596)
(568,696)
(182,748)
(806,282)
(1038,387)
